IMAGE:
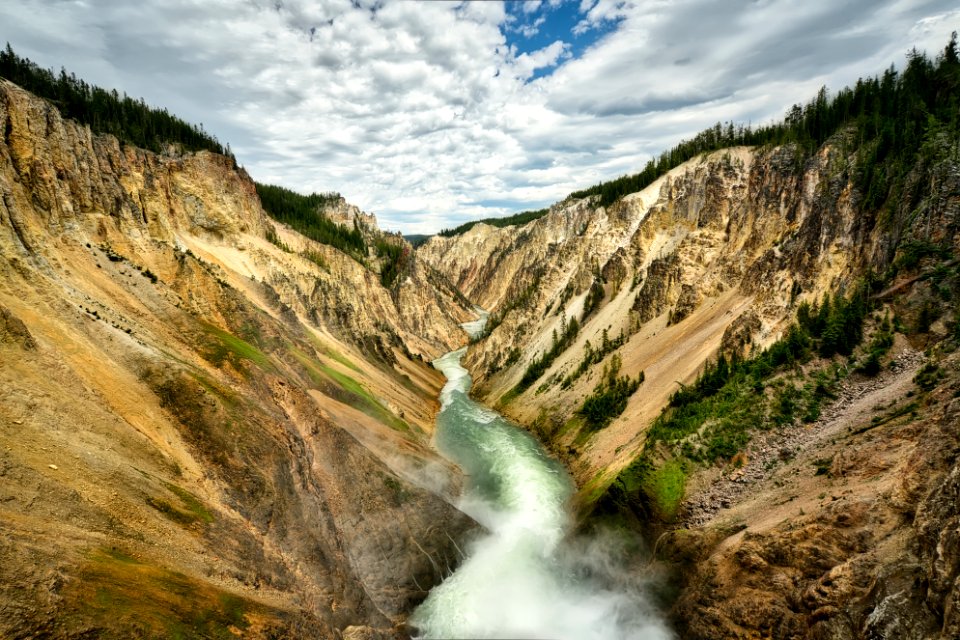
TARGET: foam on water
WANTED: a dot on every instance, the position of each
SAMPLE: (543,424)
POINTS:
(474,328)
(522,578)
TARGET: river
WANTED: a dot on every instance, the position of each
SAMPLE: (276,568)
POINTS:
(523,577)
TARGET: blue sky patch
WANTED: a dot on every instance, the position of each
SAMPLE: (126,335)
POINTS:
(532,30)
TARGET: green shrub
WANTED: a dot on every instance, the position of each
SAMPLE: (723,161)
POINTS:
(560,342)
(316,258)
(520,219)
(664,488)
(870,366)
(929,376)
(275,240)
(609,397)
(593,356)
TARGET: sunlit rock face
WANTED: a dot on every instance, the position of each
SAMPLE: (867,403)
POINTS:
(200,430)
(717,251)
(841,528)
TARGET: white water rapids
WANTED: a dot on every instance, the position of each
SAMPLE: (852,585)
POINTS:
(523,578)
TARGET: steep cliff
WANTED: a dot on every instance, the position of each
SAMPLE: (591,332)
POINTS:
(204,433)
(727,243)
(832,524)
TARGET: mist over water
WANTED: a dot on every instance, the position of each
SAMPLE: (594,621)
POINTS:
(523,578)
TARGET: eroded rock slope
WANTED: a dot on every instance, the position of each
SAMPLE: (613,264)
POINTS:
(838,524)
(202,433)
(718,251)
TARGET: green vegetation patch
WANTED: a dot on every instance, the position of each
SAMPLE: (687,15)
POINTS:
(395,260)
(609,397)
(343,388)
(228,398)
(909,409)
(305,215)
(330,352)
(316,258)
(519,219)
(592,356)
(275,240)
(117,595)
(665,488)
(929,376)
(223,347)
(879,345)
(367,402)
(189,511)
(713,418)
(396,489)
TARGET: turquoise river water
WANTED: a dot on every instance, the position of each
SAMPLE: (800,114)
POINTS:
(524,577)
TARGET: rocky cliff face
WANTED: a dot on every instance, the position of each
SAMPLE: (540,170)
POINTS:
(845,530)
(719,250)
(837,528)
(201,433)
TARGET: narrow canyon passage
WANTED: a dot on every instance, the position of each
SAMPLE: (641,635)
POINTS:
(523,578)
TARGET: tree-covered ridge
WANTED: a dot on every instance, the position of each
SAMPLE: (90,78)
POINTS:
(396,258)
(521,218)
(715,417)
(305,215)
(559,343)
(890,118)
(416,239)
(131,121)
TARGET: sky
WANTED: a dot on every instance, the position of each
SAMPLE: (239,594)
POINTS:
(430,114)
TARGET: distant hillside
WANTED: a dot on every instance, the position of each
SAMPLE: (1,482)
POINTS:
(521,218)
(892,114)
(416,239)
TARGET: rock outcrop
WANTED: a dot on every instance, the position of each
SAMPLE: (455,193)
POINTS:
(842,525)
(203,433)
(849,534)
(736,234)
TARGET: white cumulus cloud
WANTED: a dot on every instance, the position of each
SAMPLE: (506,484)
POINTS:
(428,115)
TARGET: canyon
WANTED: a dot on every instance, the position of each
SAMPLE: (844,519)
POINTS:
(813,530)
(203,431)
(213,426)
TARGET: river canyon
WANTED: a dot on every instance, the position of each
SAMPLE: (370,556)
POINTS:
(215,423)
(524,577)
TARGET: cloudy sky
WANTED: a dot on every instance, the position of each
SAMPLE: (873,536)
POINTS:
(433,113)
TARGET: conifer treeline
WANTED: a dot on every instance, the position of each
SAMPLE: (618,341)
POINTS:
(521,218)
(892,116)
(131,121)
(304,214)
